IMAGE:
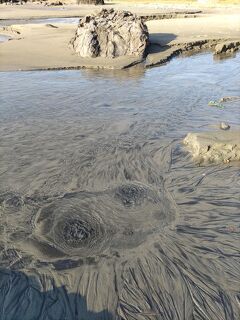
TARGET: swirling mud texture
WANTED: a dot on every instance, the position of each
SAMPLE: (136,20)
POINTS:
(103,213)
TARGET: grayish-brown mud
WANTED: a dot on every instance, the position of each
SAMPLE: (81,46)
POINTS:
(103,213)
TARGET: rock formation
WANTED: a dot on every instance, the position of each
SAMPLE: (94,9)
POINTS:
(111,34)
(227,47)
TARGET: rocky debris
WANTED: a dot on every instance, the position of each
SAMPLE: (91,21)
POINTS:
(227,47)
(224,126)
(214,147)
(111,34)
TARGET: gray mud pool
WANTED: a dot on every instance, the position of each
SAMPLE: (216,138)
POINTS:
(103,213)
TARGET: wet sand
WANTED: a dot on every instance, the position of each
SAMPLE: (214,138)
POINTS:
(104,215)
(47,46)
(33,11)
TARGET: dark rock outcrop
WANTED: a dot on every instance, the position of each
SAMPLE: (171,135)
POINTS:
(111,34)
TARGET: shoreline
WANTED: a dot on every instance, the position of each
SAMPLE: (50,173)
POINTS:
(45,46)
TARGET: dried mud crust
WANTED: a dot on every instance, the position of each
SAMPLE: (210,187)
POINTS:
(214,147)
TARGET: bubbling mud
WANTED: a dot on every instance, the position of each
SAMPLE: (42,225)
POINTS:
(86,224)
(74,225)
(133,194)
(76,231)
(103,214)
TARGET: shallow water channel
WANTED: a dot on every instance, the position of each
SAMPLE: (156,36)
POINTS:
(8,22)
(103,213)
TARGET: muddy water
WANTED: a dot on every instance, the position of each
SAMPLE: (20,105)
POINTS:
(8,22)
(103,214)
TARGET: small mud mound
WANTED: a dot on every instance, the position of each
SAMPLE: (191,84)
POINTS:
(85,224)
(110,34)
(78,232)
(131,194)
(74,225)
(134,194)
(144,207)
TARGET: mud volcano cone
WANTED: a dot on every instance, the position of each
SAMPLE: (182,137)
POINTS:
(111,34)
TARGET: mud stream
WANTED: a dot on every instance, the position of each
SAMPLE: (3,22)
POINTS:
(103,213)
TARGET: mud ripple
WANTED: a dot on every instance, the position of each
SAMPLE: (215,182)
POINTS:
(83,224)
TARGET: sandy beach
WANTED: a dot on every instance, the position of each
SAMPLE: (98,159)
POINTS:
(47,44)
(119,179)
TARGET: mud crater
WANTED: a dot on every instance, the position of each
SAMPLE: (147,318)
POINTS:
(76,231)
(135,194)
(84,224)
(131,194)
